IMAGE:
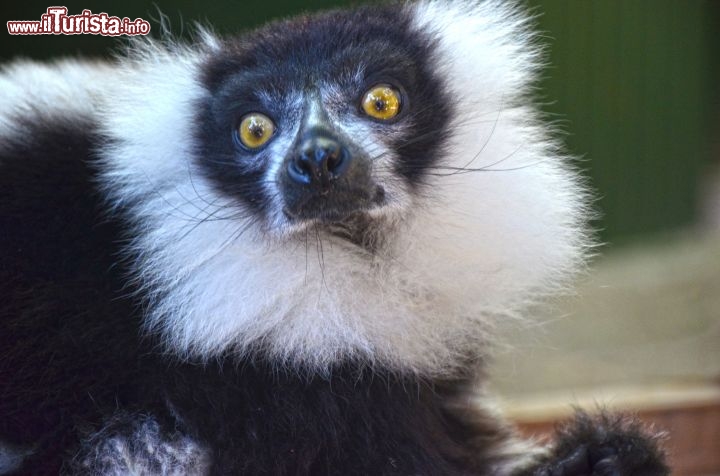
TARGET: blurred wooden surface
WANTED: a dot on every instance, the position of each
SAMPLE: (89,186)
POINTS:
(644,315)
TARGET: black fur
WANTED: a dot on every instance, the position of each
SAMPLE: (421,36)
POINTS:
(68,338)
(259,420)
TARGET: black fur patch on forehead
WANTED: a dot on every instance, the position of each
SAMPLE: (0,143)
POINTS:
(302,50)
(307,52)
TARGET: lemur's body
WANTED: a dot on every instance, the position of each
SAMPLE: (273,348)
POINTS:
(280,254)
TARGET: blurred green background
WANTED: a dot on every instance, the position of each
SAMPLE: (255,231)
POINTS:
(633,82)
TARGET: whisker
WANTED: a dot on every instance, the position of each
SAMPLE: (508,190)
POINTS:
(489,137)
(321,260)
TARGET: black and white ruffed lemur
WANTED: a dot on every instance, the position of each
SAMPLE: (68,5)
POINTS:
(282,253)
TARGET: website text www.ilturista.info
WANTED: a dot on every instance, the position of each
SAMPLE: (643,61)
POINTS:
(56,21)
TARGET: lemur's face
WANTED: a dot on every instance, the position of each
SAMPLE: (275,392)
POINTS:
(329,121)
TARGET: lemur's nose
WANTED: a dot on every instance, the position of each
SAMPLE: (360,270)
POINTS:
(325,178)
(320,160)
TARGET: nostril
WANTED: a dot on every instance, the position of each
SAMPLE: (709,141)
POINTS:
(333,160)
(337,162)
(301,170)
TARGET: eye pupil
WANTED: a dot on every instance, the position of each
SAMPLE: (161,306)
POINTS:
(380,105)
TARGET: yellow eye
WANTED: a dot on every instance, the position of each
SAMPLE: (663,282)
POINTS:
(255,130)
(381,102)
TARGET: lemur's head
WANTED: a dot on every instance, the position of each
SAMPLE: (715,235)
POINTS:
(368,184)
(326,122)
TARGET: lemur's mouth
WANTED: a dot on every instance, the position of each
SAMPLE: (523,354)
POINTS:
(354,220)
(337,208)
(360,229)
(328,210)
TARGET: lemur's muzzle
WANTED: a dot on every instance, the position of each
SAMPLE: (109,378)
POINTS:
(323,179)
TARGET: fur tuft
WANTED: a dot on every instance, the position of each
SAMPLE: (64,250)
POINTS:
(136,444)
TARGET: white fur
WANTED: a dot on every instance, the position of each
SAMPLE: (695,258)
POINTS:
(142,451)
(482,246)
(32,89)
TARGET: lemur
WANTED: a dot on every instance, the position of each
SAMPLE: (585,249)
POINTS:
(285,252)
